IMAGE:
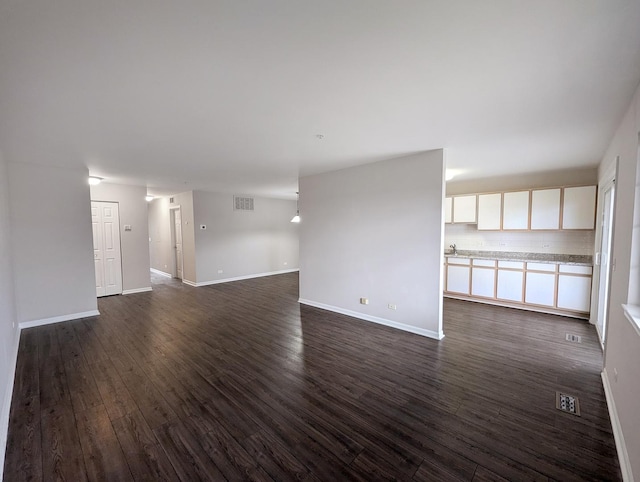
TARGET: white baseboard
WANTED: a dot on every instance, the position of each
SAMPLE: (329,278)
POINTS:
(190,283)
(375,319)
(161,273)
(6,401)
(240,278)
(621,447)
(136,290)
(58,319)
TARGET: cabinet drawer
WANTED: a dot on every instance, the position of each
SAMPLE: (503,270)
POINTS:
(551,267)
(461,261)
(575,269)
(511,264)
(489,263)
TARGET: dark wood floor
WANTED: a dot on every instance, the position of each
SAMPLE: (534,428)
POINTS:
(237,381)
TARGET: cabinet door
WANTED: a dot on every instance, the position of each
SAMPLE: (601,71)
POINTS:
(489,211)
(516,210)
(448,209)
(540,289)
(510,285)
(464,209)
(458,279)
(574,292)
(483,282)
(545,209)
(579,207)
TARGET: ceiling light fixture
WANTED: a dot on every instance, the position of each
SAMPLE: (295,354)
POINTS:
(449,174)
(296,218)
(149,198)
(94,180)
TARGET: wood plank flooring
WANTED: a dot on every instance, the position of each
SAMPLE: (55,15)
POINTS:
(239,382)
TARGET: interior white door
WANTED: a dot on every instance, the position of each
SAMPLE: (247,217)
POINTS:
(177,235)
(106,248)
(604,269)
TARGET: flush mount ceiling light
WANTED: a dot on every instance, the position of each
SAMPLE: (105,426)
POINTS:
(149,198)
(296,218)
(450,174)
(94,180)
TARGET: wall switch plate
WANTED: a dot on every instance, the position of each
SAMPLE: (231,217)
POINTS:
(127,227)
(364,301)
(391,306)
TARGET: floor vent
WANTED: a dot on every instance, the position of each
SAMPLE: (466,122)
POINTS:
(573,338)
(568,403)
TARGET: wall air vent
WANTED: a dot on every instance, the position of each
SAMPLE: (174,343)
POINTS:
(242,203)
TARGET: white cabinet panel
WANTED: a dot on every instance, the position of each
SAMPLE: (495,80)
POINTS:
(516,210)
(545,209)
(483,282)
(464,209)
(489,211)
(579,207)
(458,279)
(510,285)
(448,210)
(574,292)
(540,288)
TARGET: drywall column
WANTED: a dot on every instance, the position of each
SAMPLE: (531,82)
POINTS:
(134,243)
(376,232)
(52,244)
(8,325)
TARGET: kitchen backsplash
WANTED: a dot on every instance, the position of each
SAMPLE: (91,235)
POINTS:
(467,236)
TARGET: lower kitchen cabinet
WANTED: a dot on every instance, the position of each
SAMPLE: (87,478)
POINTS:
(458,278)
(540,289)
(483,282)
(510,285)
(574,292)
(543,286)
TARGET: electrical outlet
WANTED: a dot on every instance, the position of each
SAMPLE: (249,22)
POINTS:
(364,301)
(285,263)
(220,271)
(391,306)
(503,244)
(546,245)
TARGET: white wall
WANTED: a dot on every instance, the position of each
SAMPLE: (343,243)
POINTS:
(622,352)
(8,325)
(133,210)
(375,231)
(243,243)
(52,243)
(160,248)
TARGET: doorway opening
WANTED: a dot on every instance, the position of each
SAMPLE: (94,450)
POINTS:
(603,258)
(176,241)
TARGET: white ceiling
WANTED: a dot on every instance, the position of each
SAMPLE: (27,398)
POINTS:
(230,95)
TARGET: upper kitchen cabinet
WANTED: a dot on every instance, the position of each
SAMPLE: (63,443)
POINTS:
(465,209)
(545,209)
(579,207)
(515,210)
(448,209)
(489,211)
